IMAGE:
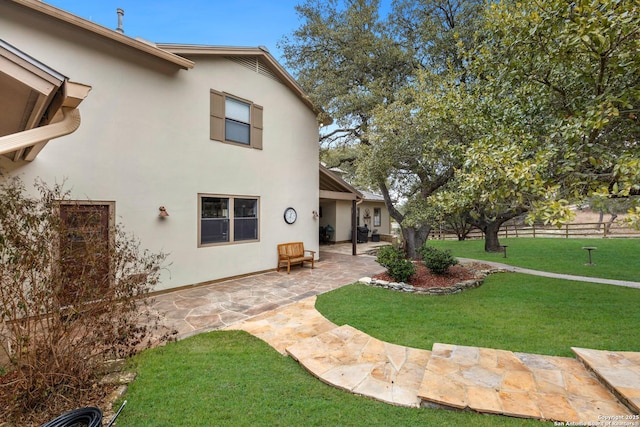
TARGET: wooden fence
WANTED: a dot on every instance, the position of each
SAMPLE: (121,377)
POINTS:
(575,230)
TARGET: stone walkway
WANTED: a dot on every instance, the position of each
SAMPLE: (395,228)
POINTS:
(456,377)
(215,306)
(513,269)
(280,309)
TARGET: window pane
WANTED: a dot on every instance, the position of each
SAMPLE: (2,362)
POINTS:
(245,229)
(214,225)
(213,230)
(215,207)
(245,223)
(237,132)
(245,208)
(237,110)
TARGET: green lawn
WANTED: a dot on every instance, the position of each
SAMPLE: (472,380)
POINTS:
(509,311)
(231,378)
(614,258)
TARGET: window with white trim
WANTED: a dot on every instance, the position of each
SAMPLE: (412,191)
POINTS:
(235,120)
(227,219)
(377,217)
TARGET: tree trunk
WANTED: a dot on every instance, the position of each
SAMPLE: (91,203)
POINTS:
(607,226)
(600,219)
(491,242)
(490,228)
(414,238)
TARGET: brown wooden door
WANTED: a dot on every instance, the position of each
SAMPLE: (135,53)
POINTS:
(84,251)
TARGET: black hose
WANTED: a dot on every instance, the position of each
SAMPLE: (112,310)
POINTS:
(89,416)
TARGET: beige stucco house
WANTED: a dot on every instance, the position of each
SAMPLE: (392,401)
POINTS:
(222,138)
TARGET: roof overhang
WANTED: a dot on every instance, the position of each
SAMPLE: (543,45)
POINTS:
(335,188)
(107,33)
(38,104)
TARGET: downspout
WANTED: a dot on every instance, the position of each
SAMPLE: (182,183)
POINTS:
(354,221)
(17,141)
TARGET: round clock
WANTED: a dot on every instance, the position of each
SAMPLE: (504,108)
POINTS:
(290,215)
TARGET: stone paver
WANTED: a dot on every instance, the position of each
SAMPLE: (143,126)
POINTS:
(288,325)
(279,309)
(352,360)
(619,370)
(516,384)
(218,305)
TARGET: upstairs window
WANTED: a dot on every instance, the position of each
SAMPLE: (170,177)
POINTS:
(235,120)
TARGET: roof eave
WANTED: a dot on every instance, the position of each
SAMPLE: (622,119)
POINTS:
(76,21)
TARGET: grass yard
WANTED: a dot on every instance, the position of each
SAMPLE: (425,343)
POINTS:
(614,258)
(230,378)
(509,311)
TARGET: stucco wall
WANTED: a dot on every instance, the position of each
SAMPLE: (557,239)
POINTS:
(144,142)
(384,227)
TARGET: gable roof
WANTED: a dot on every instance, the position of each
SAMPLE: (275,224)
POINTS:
(85,25)
(173,53)
(257,58)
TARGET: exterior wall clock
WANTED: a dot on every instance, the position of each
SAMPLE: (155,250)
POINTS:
(290,215)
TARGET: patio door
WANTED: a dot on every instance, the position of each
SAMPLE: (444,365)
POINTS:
(85,243)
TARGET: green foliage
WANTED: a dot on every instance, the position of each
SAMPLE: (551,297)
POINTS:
(561,83)
(69,298)
(436,260)
(396,263)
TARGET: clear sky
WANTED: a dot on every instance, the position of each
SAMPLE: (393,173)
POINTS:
(210,22)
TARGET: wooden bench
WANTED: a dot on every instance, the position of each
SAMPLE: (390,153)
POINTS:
(293,253)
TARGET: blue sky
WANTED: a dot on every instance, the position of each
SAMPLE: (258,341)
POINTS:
(210,22)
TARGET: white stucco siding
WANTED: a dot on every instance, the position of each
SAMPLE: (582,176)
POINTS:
(385,220)
(343,221)
(144,143)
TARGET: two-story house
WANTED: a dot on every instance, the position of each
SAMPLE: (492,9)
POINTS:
(198,150)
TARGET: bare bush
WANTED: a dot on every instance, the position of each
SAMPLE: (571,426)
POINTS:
(69,297)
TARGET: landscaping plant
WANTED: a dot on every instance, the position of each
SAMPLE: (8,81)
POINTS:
(69,299)
(436,260)
(394,260)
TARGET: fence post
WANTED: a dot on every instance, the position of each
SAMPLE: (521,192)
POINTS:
(566,232)
(534,231)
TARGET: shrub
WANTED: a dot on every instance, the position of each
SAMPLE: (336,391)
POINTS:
(68,300)
(436,260)
(397,265)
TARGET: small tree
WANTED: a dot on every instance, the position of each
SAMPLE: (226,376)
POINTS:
(396,263)
(436,260)
(64,308)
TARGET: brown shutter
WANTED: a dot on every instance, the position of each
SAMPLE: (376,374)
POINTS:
(256,126)
(216,130)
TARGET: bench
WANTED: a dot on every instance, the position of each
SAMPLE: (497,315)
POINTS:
(293,253)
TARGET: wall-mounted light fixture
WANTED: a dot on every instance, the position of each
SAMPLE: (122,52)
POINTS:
(163,212)
(315,214)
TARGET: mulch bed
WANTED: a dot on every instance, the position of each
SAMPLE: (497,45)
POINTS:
(423,278)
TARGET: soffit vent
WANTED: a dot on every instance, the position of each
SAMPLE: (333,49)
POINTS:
(254,64)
